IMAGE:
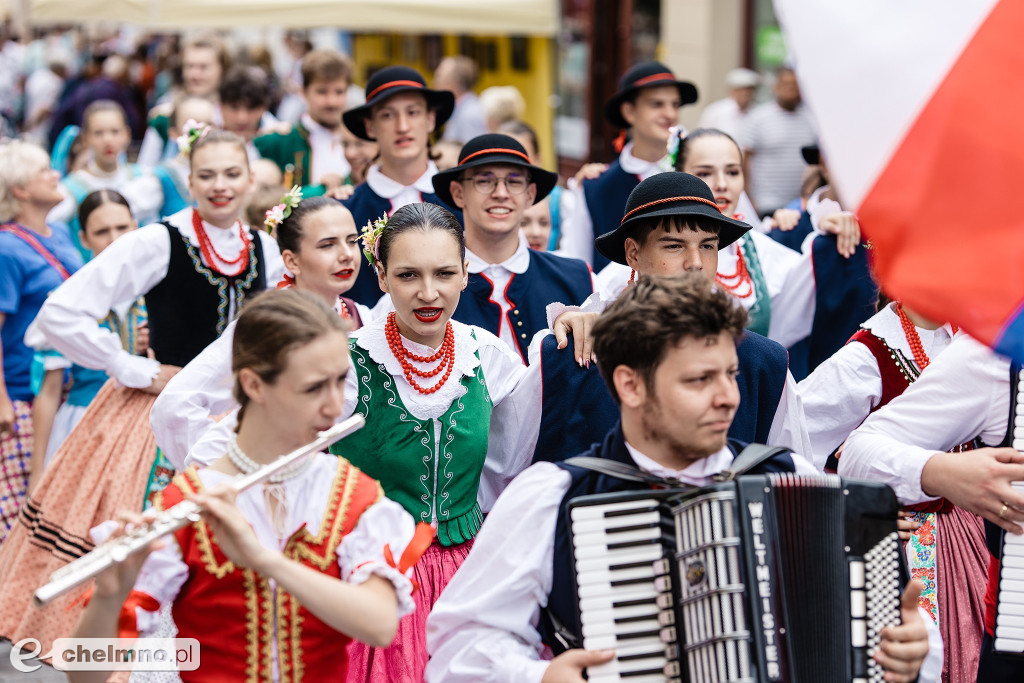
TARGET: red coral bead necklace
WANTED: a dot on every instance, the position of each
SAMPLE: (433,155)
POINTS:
(210,253)
(445,355)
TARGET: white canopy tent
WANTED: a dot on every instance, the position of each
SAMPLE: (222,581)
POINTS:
(522,17)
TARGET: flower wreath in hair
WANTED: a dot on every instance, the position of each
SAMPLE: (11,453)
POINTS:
(190,132)
(371,233)
(276,214)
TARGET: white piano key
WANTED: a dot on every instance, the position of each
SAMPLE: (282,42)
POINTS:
(629,645)
(599,511)
(615,677)
(606,539)
(592,524)
(1011,585)
(641,553)
(1009,644)
(1013,561)
(613,613)
(607,575)
(1009,632)
(1015,609)
(609,600)
(619,629)
(1009,620)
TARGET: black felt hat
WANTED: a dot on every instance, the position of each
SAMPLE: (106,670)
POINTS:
(811,154)
(493,148)
(645,75)
(391,81)
(669,194)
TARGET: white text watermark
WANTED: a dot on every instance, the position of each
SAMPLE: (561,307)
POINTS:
(109,654)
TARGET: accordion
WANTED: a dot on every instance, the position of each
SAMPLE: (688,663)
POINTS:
(776,577)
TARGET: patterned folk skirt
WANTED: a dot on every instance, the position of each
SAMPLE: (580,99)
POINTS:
(105,465)
(15,453)
(405,660)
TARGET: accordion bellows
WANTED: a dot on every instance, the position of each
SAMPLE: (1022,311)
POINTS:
(777,577)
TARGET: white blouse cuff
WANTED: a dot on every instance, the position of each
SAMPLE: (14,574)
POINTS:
(401,582)
(593,304)
(136,372)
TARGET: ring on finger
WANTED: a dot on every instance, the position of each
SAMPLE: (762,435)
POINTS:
(1002,512)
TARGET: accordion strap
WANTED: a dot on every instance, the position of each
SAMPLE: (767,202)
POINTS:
(619,470)
(749,458)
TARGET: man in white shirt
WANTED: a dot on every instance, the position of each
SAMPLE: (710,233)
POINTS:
(458,74)
(667,349)
(728,113)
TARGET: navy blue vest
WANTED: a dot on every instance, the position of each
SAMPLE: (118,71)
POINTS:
(576,405)
(845,296)
(606,197)
(366,205)
(794,239)
(562,599)
(547,279)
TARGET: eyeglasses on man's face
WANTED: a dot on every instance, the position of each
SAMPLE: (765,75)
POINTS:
(515,183)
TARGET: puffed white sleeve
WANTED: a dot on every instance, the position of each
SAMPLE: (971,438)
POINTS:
(484,627)
(837,397)
(124,271)
(162,575)
(145,195)
(184,410)
(931,667)
(962,394)
(577,240)
(789,428)
(385,524)
(515,394)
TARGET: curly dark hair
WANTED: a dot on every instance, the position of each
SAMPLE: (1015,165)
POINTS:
(647,319)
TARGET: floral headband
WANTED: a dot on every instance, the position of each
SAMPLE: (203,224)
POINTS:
(371,239)
(190,132)
(275,215)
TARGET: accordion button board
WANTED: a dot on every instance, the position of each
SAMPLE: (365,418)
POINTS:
(766,578)
(1009,627)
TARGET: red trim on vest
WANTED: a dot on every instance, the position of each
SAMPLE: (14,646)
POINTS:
(894,382)
(991,594)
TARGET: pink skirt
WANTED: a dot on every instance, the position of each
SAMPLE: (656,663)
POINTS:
(406,658)
(962,567)
(102,467)
(15,454)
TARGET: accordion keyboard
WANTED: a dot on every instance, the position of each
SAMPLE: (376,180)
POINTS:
(624,591)
(1009,631)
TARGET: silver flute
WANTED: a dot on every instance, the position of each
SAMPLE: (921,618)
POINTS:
(170,520)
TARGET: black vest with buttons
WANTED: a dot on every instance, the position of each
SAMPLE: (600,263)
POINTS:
(606,197)
(549,278)
(188,309)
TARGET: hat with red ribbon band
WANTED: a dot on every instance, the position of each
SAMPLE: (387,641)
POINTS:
(645,75)
(493,148)
(391,81)
(666,195)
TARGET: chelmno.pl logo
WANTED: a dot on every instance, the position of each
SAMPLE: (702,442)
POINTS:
(110,654)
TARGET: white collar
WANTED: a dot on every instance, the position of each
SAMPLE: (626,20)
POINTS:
(631,164)
(517,263)
(315,129)
(697,474)
(372,339)
(388,188)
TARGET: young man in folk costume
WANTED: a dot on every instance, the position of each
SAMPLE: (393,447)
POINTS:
(667,351)
(510,285)
(672,225)
(399,115)
(648,104)
(311,154)
(901,445)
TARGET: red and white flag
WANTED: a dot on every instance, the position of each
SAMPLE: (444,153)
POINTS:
(921,110)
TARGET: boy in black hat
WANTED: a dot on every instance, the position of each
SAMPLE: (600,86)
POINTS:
(667,352)
(672,225)
(648,104)
(400,113)
(510,285)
